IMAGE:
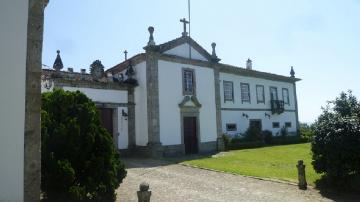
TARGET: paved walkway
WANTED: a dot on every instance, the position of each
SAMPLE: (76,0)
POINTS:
(174,182)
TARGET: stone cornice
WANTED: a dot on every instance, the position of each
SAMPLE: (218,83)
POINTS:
(60,82)
(224,68)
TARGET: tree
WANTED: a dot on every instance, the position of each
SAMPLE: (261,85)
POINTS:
(336,145)
(79,161)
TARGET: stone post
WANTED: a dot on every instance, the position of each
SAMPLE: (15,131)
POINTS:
(301,175)
(144,194)
(131,118)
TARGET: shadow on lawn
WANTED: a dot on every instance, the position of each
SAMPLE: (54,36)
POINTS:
(344,191)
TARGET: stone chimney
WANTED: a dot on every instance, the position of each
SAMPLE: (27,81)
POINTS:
(249,64)
(83,71)
(70,69)
(292,72)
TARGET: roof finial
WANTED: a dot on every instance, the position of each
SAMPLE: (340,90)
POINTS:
(58,65)
(125,53)
(151,38)
(214,57)
(184,22)
(292,72)
(249,64)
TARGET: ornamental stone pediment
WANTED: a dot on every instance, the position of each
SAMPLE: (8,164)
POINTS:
(190,101)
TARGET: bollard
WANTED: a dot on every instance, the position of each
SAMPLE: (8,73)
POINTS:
(301,175)
(144,193)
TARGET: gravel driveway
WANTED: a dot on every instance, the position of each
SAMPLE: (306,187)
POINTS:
(174,182)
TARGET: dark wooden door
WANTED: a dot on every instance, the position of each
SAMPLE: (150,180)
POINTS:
(190,135)
(256,124)
(106,118)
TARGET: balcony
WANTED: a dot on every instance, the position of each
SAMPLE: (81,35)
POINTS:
(277,106)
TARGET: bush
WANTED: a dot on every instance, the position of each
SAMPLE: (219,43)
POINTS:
(306,132)
(336,145)
(78,158)
(253,134)
(226,140)
(268,137)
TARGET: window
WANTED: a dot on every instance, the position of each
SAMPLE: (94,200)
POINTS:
(276,125)
(231,127)
(260,95)
(285,94)
(188,82)
(228,91)
(288,124)
(245,92)
(273,93)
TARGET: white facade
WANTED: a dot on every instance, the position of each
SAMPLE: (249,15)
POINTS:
(183,51)
(13,40)
(234,112)
(171,94)
(141,121)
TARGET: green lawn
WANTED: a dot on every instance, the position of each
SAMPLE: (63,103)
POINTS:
(277,162)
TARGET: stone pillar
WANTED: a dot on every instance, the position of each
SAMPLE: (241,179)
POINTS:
(131,119)
(152,86)
(32,138)
(144,194)
(220,141)
(301,175)
(296,111)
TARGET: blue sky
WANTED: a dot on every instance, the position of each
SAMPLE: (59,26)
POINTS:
(321,39)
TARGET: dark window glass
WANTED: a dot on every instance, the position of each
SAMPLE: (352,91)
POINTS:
(276,125)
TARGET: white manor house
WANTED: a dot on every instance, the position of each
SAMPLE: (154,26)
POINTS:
(176,98)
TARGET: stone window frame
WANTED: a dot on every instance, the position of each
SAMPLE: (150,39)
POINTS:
(288,124)
(248,94)
(232,91)
(263,94)
(276,124)
(231,124)
(277,93)
(187,92)
(287,100)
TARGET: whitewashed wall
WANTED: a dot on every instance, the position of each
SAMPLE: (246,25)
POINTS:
(102,95)
(140,93)
(235,115)
(13,40)
(183,51)
(170,95)
(122,128)
(253,82)
(231,117)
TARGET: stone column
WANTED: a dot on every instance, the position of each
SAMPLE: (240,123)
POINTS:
(131,119)
(32,138)
(220,142)
(296,111)
(152,86)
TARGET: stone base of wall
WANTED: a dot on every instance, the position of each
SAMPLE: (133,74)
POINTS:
(166,151)
(208,147)
(174,150)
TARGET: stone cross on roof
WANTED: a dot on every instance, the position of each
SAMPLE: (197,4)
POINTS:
(184,22)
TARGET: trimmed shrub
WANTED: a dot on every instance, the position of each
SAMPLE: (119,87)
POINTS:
(336,145)
(268,137)
(253,134)
(78,158)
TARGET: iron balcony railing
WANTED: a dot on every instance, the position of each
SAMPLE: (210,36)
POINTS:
(277,106)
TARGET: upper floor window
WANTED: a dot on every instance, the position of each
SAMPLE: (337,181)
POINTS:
(285,94)
(188,81)
(273,93)
(228,91)
(260,94)
(245,92)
